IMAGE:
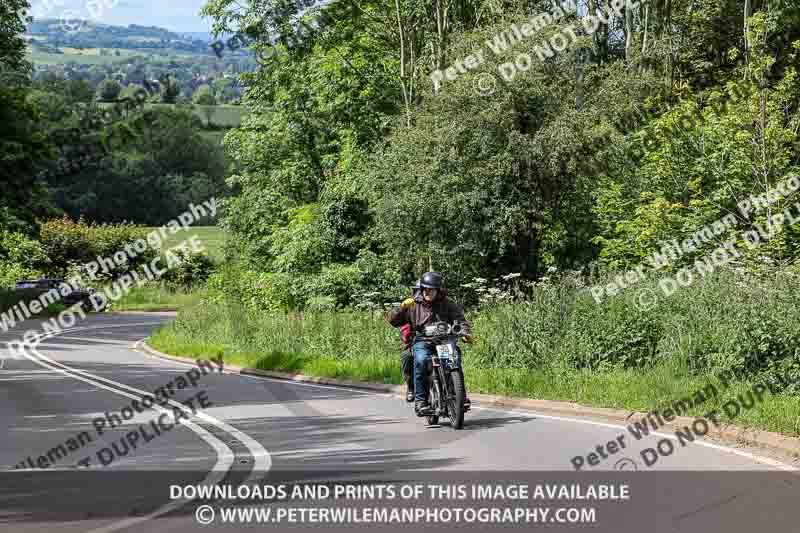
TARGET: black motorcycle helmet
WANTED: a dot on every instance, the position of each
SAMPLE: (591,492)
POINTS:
(432,280)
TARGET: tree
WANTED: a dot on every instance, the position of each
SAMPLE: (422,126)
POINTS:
(344,126)
(223,89)
(13,18)
(170,89)
(157,155)
(24,148)
(204,96)
(24,151)
(109,91)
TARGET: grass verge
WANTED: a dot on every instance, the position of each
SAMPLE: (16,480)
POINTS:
(361,346)
(154,298)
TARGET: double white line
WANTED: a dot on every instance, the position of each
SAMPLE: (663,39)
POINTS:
(262,462)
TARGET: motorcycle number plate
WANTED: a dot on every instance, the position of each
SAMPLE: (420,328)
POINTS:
(445,351)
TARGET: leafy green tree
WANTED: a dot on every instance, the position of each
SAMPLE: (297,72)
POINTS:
(349,152)
(223,89)
(170,90)
(109,91)
(13,19)
(24,152)
(156,155)
(710,151)
(204,96)
(20,258)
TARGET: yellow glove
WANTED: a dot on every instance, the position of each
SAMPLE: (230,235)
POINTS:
(408,303)
(469,339)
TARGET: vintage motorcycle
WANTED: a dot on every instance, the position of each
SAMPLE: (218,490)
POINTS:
(444,376)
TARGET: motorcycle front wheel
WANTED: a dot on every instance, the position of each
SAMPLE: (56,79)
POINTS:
(455,407)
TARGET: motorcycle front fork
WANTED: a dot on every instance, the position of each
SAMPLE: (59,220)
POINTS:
(440,392)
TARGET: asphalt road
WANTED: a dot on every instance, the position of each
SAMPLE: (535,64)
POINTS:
(64,391)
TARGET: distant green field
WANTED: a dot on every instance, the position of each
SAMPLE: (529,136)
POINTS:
(84,59)
(227,116)
(212,237)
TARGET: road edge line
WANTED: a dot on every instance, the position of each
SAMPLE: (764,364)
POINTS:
(731,434)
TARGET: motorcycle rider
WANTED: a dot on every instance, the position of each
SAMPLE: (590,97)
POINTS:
(429,307)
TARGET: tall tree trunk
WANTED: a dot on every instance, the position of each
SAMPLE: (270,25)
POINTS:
(581,55)
(747,13)
(628,32)
(602,36)
(644,36)
(407,63)
(441,12)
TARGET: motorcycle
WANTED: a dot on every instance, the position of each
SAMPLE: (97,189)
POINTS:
(444,377)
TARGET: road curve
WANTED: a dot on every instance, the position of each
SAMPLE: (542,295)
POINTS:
(258,430)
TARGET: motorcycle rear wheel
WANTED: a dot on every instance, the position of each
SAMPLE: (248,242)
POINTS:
(455,409)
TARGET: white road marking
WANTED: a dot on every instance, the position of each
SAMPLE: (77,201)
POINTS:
(763,460)
(225,457)
(527,414)
(262,461)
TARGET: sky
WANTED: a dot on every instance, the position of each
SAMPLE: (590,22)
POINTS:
(175,15)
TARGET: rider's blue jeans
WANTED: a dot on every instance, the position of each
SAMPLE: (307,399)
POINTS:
(422,352)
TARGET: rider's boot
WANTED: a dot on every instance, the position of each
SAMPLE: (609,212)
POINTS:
(423,408)
(409,389)
(467,403)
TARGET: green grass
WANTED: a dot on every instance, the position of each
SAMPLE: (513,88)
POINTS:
(47,58)
(555,346)
(631,390)
(212,237)
(154,298)
(372,368)
(223,116)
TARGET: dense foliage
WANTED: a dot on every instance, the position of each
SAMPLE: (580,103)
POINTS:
(644,131)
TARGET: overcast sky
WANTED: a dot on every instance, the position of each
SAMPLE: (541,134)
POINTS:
(176,15)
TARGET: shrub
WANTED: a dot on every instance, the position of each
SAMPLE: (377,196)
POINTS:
(193,270)
(11,272)
(68,243)
(20,258)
